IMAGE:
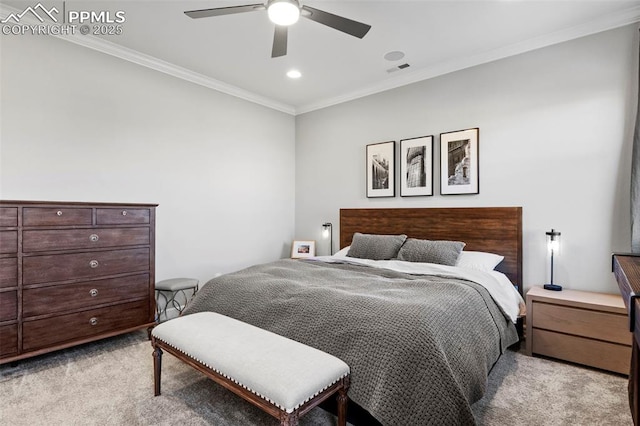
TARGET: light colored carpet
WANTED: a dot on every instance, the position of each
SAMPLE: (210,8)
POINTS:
(111,383)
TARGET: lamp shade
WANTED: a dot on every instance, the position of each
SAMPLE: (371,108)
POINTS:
(327,232)
(283,12)
(553,246)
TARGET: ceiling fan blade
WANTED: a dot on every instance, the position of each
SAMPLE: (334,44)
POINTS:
(351,27)
(205,13)
(280,41)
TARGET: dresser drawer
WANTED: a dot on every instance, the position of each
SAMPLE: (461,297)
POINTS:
(8,272)
(8,305)
(61,267)
(122,216)
(85,324)
(55,216)
(599,325)
(59,239)
(8,216)
(8,340)
(8,242)
(71,297)
(595,353)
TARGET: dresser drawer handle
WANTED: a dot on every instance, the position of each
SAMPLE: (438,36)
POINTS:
(93,292)
(124,212)
(59,212)
(93,321)
(94,264)
(94,237)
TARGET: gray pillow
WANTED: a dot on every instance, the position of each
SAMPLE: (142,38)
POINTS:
(375,247)
(426,251)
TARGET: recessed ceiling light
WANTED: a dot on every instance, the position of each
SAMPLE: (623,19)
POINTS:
(396,55)
(294,74)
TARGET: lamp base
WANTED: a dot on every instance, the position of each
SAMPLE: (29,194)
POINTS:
(554,287)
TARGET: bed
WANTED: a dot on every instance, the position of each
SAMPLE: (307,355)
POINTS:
(420,342)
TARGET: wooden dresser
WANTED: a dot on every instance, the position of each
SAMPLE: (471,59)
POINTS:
(72,273)
(579,326)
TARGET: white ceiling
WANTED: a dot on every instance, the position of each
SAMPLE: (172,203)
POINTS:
(233,53)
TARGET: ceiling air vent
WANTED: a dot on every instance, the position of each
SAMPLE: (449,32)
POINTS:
(398,68)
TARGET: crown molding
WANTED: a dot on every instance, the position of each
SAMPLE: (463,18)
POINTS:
(154,63)
(604,23)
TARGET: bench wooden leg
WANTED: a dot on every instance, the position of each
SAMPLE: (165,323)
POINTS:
(157,367)
(287,419)
(342,402)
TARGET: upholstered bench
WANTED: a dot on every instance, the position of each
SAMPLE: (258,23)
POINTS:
(283,377)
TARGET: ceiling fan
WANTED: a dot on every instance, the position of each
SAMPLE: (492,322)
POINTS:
(284,13)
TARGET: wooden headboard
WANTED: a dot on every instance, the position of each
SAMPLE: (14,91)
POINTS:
(491,229)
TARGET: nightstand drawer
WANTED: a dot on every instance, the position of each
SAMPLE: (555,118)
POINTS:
(604,326)
(604,355)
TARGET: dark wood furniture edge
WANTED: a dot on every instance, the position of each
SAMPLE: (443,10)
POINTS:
(75,203)
(340,387)
(626,268)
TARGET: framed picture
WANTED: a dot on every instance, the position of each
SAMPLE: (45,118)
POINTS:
(459,162)
(381,160)
(416,166)
(302,249)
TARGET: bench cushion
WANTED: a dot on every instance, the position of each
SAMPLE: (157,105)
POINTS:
(175,284)
(280,370)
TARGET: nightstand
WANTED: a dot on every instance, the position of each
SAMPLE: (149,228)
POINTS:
(579,326)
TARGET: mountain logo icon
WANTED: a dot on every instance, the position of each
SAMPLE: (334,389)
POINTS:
(33,11)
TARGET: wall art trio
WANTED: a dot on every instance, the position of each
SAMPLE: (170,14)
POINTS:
(459,165)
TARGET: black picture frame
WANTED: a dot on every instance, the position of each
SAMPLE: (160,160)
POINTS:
(416,166)
(460,162)
(381,169)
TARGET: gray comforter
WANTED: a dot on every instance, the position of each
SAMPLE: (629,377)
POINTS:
(419,347)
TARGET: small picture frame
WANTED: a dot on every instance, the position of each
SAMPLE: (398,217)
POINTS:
(416,166)
(459,162)
(302,249)
(381,160)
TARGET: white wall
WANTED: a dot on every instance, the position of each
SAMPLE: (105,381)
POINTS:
(79,125)
(555,138)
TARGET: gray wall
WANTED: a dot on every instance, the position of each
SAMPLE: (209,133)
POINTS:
(79,125)
(555,133)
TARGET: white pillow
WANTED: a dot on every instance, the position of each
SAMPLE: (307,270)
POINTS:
(343,252)
(479,260)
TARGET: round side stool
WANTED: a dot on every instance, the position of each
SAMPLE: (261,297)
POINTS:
(168,290)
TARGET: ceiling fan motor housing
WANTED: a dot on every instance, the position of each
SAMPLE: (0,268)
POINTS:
(283,12)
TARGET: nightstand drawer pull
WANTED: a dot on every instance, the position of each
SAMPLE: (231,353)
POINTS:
(93,292)
(94,264)
(93,321)
(94,237)
(124,212)
(59,212)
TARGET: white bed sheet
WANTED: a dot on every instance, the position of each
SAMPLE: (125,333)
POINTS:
(497,284)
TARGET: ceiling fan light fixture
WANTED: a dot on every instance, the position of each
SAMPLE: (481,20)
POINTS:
(283,12)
